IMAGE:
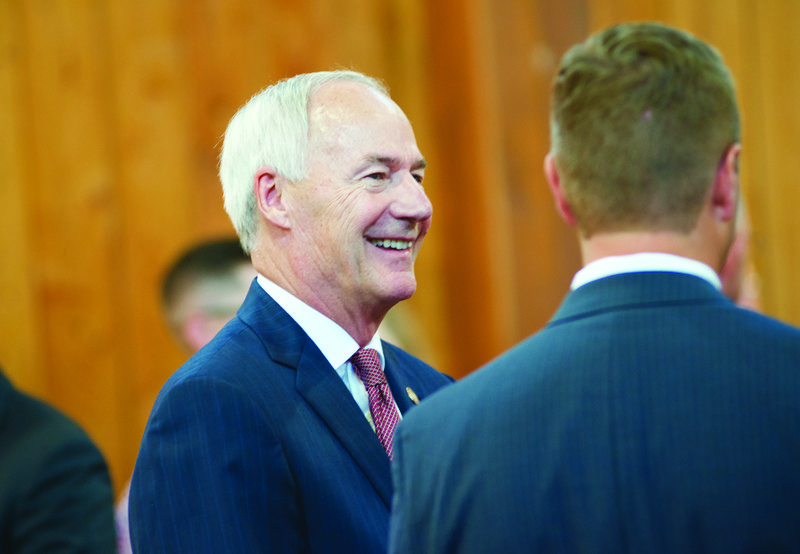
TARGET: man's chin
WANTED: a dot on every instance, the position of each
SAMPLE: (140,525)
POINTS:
(400,289)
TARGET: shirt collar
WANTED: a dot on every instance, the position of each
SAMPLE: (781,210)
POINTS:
(333,341)
(641,262)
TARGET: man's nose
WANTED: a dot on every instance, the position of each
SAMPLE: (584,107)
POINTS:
(411,202)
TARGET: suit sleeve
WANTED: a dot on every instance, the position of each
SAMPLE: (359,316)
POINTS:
(211,476)
(68,507)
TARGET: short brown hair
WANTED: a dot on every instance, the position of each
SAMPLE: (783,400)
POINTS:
(641,116)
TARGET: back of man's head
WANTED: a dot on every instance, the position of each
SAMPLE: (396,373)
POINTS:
(641,117)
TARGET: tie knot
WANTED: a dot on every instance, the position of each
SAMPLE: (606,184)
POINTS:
(367,364)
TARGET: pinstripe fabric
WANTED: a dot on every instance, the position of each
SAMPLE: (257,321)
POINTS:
(650,415)
(255,445)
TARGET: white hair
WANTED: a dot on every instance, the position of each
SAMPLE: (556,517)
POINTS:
(271,129)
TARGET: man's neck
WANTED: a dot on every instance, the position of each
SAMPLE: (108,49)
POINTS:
(361,326)
(688,245)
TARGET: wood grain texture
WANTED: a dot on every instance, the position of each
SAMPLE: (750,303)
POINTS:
(20,345)
(73,211)
(112,113)
(775,217)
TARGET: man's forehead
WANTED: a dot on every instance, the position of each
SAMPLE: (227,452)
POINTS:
(347,92)
(344,102)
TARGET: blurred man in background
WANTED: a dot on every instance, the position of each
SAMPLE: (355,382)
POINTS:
(203,289)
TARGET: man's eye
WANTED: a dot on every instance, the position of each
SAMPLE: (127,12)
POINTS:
(419,178)
(378,176)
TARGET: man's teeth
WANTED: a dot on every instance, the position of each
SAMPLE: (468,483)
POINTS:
(393,244)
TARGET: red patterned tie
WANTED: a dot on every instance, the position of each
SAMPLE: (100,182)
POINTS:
(367,364)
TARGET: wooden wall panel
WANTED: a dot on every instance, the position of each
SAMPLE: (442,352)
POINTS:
(757,158)
(529,39)
(463,180)
(776,221)
(407,75)
(157,190)
(229,56)
(72,210)
(112,113)
(20,346)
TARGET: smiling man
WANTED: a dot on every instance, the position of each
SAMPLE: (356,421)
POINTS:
(277,436)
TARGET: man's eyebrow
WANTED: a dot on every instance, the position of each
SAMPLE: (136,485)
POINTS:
(392,161)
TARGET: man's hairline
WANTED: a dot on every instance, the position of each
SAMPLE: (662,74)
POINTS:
(379,90)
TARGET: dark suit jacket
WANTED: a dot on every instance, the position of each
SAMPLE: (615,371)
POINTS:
(650,415)
(256,445)
(55,492)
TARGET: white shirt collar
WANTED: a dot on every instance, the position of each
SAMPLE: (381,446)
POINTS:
(641,262)
(333,341)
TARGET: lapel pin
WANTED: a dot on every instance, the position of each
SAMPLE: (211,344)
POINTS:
(412,395)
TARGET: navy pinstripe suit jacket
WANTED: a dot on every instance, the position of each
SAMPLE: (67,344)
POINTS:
(650,415)
(256,445)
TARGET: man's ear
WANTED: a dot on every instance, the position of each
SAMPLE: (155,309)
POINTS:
(725,194)
(554,182)
(268,187)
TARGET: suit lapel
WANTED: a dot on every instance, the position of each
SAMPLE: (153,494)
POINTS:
(319,385)
(323,389)
(398,380)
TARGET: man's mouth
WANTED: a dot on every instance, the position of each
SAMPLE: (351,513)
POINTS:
(392,244)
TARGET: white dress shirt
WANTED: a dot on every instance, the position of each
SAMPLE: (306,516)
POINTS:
(641,262)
